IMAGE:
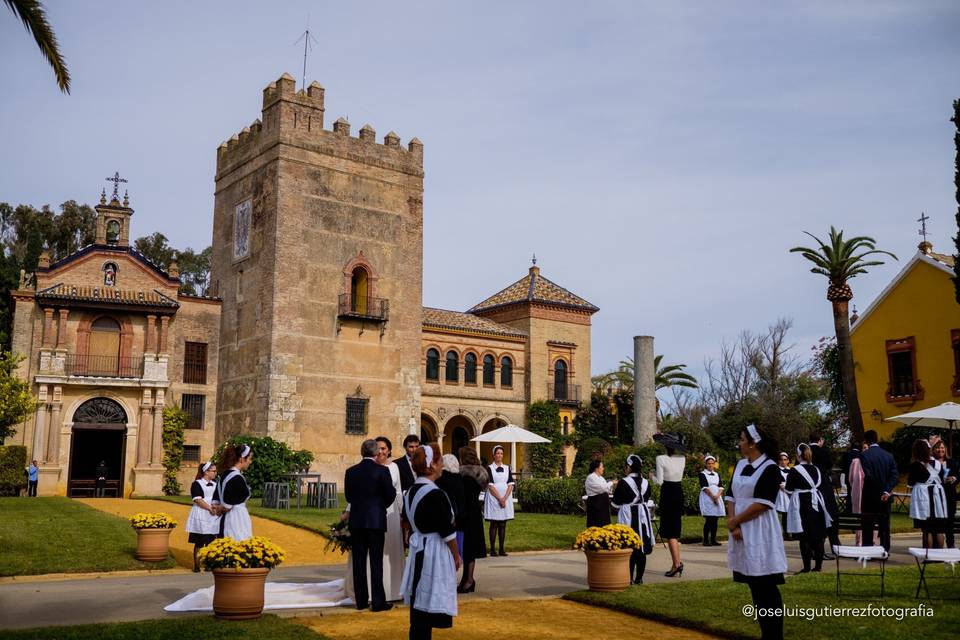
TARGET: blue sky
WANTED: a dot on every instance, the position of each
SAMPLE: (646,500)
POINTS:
(659,158)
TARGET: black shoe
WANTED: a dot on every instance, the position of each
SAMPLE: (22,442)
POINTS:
(492,554)
(707,544)
(361,607)
(470,589)
(196,569)
(503,554)
(386,606)
(638,581)
(676,571)
(801,571)
(829,556)
(715,544)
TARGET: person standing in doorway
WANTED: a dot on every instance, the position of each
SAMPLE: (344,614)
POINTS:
(33,478)
(102,471)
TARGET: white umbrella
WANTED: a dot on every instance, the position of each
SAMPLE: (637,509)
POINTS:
(942,416)
(512,434)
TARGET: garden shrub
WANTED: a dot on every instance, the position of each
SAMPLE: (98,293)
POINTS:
(271,460)
(550,495)
(174,422)
(588,449)
(13,465)
(544,420)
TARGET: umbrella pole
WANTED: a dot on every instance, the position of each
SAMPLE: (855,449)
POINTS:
(513,456)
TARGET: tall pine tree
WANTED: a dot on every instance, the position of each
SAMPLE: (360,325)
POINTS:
(956,181)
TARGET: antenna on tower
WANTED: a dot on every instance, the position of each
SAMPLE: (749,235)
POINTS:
(308,42)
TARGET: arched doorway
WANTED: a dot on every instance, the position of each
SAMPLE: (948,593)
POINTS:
(457,433)
(98,440)
(429,431)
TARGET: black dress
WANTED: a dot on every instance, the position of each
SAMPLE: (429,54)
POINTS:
(432,515)
(474,483)
(451,484)
(813,522)
(919,474)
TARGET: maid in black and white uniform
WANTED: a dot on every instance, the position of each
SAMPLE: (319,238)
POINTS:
(630,497)
(711,500)
(807,515)
(755,551)
(498,500)
(928,500)
(429,584)
(783,497)
(234,493)
(203,523)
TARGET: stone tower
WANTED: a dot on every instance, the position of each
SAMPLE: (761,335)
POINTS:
(317,254)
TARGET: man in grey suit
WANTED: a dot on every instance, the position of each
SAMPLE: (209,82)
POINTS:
(880,477)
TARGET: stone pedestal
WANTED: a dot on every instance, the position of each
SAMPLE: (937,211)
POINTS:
(147,481)
(49,481)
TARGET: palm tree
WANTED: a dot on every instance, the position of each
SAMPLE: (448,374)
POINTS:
(839,261)
(664,376)
(35,21)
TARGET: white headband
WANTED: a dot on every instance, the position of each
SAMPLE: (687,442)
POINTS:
(708,457)
(206,465)
(245,451)
(428,450)
(497,447)
(754,434)
(633,456)
(800,448)
(783,454)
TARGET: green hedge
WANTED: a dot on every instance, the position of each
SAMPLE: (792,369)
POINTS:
(550,495)
(13,465)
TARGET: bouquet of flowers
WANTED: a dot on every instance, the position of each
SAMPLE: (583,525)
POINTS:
(611,537)
(152,521)
(339,537)
(252,553)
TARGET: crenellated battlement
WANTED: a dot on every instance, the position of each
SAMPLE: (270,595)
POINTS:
(296,117)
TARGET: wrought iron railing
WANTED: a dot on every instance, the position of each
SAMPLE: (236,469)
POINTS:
(564,392)
(365,307)
(84,364)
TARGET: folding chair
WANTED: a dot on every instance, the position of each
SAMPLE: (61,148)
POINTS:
(861,555)
(931,556)
(269,500)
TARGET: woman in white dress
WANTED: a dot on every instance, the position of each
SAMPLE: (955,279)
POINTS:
(498,501)
(203,523)
(711,501)
(234,492)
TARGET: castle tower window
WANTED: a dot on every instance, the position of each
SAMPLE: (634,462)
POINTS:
(506,372)
(195,362)
(191,453)
(902,368)
(359,291)
(560,380)
(104,350)
(433,364)
(489,366)
(453,367)
(357,414)
(470,368)
(195,406)
(113,232)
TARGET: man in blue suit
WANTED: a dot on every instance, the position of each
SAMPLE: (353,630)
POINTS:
(369,489)
(880,477)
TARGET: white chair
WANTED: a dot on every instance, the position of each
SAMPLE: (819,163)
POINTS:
(861,555)
(931,556)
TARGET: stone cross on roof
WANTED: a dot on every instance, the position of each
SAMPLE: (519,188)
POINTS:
(116,180)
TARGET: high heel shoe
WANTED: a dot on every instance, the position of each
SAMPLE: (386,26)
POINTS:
(676,571)
(470,589)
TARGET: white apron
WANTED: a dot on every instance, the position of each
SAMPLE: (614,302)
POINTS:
(236,522)
(783,496)
(794,524)
(760,552)
(491,507)
(200,520)
(437,589)
(927,499)
(636,514)
(708,506)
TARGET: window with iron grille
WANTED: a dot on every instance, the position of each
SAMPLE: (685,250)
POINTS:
(191,453)
(195,363)
(194,405)
(357,415)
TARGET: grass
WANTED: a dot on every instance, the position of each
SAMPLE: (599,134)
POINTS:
(714,606)
(209,628)
(309,518)
(59,535)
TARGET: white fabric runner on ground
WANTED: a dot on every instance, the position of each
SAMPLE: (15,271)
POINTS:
(277,595)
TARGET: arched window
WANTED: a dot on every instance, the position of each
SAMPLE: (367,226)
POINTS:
(113,232)
(488,370)
(359,291)
(506,372)
(470,368)
(453,366)
(560,380)
(433,364)
(103,353)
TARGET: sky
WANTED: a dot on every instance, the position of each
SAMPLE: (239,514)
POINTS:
(660,159)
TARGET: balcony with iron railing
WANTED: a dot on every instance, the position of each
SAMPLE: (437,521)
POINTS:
(99,366)
(363,307)
(563,393)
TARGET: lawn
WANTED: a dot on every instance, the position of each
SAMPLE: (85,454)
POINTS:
(59,535)
(715,606)
(205,627)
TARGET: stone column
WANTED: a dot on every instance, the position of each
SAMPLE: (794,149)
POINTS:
(644,391)
(53,434)
(39,433)
(164,322)
(144,430)
(156,451)
(151,334)
(62,328)
(48,328)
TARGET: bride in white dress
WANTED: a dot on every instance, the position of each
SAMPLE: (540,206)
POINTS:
(393,557)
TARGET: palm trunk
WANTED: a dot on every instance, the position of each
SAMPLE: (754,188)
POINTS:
(841,325)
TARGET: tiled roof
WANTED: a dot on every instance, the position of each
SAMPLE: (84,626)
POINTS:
(945,259)
(62,291)
(534,288)
(444,319)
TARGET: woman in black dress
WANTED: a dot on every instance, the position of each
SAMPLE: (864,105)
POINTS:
(928,500)
(598,496)
(430,575)
(669,475)
(452,485)
(630,497)
(807,515)
(475,478)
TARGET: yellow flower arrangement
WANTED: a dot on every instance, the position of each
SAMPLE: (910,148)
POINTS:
(252,553)
(152,521)
(611,537)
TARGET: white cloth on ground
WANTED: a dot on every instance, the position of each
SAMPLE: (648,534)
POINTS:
(276,595)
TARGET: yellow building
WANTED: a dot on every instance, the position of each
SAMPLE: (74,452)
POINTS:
(906,345)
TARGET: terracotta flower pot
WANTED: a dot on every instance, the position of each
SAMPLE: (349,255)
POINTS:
(608,570)
(153,544)
(238,593)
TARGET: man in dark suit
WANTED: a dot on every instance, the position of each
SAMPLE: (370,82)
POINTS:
(880,477)
(369,489)
(407,477)
(823,461)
